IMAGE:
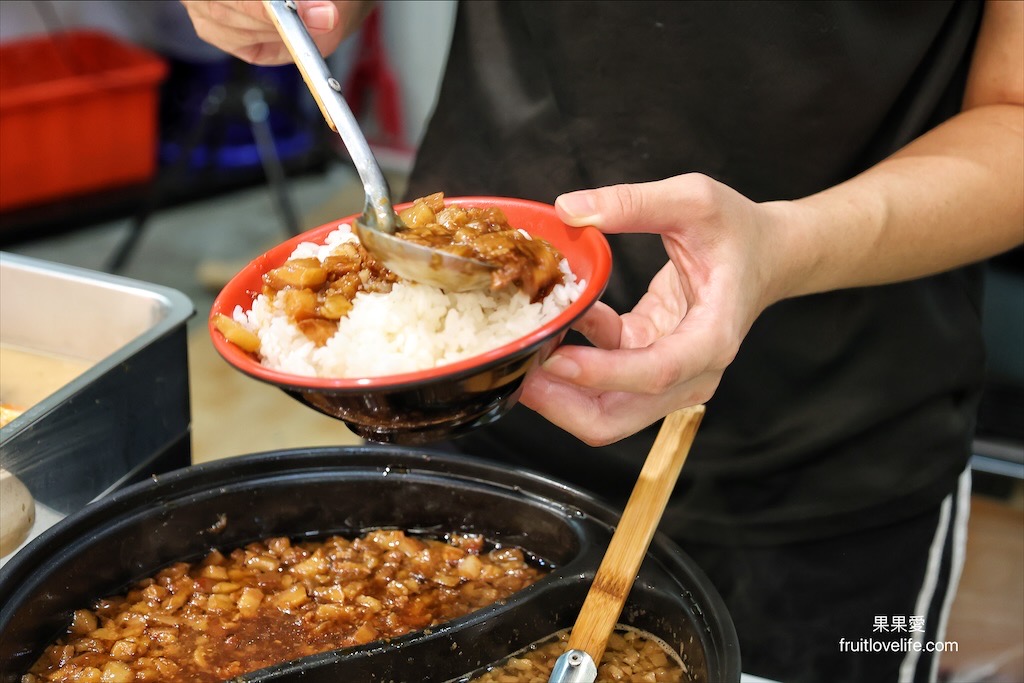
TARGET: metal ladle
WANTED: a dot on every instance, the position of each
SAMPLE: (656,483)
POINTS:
(377,225)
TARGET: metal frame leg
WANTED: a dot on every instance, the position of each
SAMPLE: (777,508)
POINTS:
(210,108)
(257,112)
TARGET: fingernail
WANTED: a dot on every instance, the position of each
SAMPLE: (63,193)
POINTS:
(578,206)
(320,18)
(563,367)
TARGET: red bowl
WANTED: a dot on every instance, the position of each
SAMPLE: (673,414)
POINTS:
(441,402)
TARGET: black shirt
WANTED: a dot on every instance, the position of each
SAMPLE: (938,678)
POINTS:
(842,409)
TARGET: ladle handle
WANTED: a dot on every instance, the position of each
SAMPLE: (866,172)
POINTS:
(632,537)
(326,90)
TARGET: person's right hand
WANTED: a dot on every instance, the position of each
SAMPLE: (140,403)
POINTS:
(243,29)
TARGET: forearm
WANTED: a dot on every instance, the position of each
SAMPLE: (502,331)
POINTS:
(951,197)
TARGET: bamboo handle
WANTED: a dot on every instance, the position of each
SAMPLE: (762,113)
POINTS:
(632,537)
(296,44)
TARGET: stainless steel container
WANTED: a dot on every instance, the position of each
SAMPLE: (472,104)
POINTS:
(124,418)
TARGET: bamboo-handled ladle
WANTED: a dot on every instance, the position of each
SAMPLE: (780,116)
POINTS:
(626,551)
(377,225)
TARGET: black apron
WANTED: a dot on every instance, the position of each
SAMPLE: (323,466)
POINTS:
(842,410)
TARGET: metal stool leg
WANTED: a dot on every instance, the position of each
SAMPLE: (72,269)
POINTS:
(257,112)
(210,107)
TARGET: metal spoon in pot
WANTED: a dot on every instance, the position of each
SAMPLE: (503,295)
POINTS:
(378,223)
(626,550)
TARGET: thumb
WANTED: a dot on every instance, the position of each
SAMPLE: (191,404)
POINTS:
(319,16)
(640,207)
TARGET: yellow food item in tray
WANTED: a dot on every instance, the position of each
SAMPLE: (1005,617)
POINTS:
(8,413)
(28,376)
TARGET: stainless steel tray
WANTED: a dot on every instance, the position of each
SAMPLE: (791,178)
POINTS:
(124,418)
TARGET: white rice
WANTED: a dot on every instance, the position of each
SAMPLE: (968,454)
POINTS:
(413,327)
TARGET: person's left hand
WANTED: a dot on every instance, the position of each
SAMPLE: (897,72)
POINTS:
(670,351)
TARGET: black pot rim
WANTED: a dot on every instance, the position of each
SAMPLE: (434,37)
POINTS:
(16,577)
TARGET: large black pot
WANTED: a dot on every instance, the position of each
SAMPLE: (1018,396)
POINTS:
(312,492)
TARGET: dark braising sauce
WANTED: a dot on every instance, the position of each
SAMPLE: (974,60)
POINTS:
(274,601)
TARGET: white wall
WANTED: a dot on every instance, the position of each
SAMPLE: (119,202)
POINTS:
(24,18)
(161,25)
(416,33)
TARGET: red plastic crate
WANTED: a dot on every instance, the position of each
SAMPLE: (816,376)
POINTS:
(78,113)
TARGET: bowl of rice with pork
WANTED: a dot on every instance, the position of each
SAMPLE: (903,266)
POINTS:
(405,362)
